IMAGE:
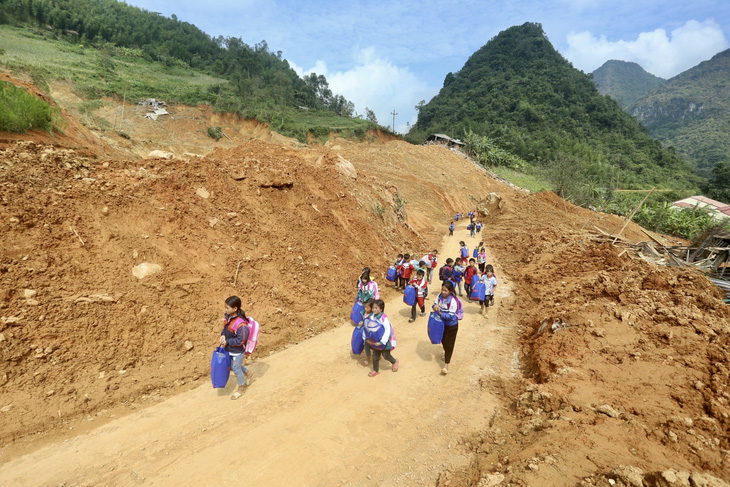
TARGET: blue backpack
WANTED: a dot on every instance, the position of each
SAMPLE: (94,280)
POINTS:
(409,296)
(479,292)
(476,252)
(357,342)
(391,273)
(220,368)
(435,328)
(356,313)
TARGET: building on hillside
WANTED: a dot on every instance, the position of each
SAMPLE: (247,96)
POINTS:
(445,140)
(720,211)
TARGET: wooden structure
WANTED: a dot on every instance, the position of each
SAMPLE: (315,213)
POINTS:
(445,140)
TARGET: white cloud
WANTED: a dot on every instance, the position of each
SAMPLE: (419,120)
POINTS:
(376,83)
(660,54)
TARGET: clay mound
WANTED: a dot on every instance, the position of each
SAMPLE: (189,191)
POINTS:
(290,227)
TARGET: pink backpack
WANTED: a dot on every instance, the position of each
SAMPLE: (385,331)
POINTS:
(459,310)
(253,333)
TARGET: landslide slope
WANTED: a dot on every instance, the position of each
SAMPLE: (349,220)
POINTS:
(291,228)
(624,365)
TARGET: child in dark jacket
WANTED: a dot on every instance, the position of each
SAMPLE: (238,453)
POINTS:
(234,337)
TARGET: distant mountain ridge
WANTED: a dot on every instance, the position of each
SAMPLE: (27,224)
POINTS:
(520,92)
(691,112)
(625,82)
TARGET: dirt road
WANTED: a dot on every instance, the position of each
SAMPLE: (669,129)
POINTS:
(311,417)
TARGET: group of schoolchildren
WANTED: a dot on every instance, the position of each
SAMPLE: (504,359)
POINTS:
(465,269)
(473,227)
(377,331)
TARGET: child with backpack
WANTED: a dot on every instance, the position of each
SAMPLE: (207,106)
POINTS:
(469,275)
(449,308)
(446,273)
(366,312)
(398,263)
(420,283)
(490,282)
(464,250)
(234,336)
(366,287)
(482,259)
(451,230)
(458,274)
(378,334)
(406,270)
(422,266)
(431,260)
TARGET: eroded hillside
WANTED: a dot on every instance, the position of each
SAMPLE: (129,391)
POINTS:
(623,365)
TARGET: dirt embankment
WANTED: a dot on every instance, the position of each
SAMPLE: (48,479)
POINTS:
(625,363)
(81,337)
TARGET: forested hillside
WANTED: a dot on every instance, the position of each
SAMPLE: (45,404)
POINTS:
(527,99)
(260,83)
(625,82)
(691,112)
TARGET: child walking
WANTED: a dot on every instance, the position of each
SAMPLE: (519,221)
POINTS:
(448,307)
(398,269)
(366,287)
(406,270)
(469,275)
(366,312)
(458,274)
(420,283)
(490,282)
(464,250)
(482,259)
(378,333)
(234,337)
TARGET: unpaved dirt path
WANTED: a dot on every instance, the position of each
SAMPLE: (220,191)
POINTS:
(312,415)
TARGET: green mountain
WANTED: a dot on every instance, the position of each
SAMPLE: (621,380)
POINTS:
(625,82)
(691,112)
(518,91)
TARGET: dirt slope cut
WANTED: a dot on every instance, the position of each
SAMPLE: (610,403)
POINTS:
(626,363)
(82,337)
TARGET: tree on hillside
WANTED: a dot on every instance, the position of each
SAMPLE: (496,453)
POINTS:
(370,115)
(719,186)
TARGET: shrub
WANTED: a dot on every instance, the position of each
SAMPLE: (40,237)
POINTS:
(23,111)
(215,133)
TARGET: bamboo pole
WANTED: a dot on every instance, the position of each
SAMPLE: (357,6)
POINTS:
(631,215)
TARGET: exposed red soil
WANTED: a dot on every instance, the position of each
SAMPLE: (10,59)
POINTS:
(624,363)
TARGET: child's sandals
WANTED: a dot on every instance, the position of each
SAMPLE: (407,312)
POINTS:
(373,373)
(236,395)
(395,365)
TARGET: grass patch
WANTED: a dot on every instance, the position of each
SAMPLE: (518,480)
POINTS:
(530,182)
(22,111)
(92,74)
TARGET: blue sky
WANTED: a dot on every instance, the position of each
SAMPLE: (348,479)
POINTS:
(389,55)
